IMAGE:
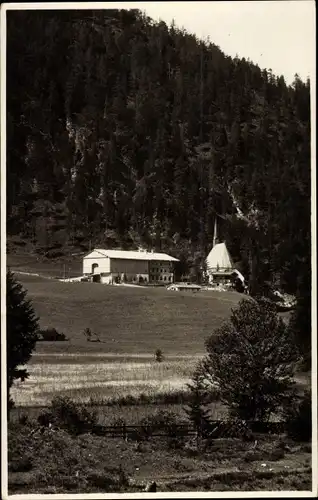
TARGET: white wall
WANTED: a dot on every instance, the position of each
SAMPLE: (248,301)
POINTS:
(103,264)
(106,280)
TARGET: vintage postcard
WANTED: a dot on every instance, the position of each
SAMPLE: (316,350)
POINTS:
(158,277)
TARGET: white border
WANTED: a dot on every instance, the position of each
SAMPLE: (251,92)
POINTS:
(4,470)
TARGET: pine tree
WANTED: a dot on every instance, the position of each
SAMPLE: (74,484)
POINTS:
(252,359)
(196,409)
(22,327)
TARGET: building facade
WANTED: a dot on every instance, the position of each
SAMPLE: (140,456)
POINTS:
(115,266)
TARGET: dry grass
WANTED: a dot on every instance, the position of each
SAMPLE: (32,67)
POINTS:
(101,380)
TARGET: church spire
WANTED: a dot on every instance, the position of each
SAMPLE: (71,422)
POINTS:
(215,235)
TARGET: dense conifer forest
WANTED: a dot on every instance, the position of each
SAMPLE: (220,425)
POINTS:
(122,131)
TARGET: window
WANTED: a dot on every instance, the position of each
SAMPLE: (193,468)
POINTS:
(165,278)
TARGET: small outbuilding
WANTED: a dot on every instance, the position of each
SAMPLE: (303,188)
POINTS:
(180,287)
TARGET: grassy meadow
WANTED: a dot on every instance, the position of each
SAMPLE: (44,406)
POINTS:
(104,379)
(130,321)
(52,268)
(131,324)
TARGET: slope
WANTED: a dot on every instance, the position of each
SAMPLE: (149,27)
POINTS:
(127,320)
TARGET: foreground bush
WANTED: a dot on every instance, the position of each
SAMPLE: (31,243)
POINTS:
(251,359)
(20,457)
(51,335)
(66,414)
(59,462)
(163,422)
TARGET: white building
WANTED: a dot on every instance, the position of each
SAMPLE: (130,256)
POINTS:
(219,264)
(111,266)
(219,259)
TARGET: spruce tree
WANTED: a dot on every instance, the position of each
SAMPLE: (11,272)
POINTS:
(252,359)
(196,409)
(22,327)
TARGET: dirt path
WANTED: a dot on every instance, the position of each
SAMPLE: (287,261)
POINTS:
(15,271)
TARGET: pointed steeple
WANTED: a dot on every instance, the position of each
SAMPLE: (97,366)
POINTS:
(215,235)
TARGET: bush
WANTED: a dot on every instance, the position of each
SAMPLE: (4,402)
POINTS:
(51,335)
(251,359)
(65,414)
(56,457)
(159,355)
(24,419)
(20,457)
(163,421)
(299,419)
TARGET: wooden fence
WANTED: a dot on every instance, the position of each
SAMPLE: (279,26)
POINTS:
(216,429)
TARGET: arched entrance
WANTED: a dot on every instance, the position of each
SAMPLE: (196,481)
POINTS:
(94,268)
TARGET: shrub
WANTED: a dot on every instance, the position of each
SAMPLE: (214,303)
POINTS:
(299,419)
(51,335)
(58,456)
(159,355)
(20,457)
(24,419)
(65,414)
(251,359)
(22,464)
(163,421)
(119,424)
(101,481)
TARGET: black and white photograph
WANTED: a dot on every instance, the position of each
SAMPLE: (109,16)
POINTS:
(158,258)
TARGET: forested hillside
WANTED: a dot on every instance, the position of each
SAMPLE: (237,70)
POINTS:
(122,131)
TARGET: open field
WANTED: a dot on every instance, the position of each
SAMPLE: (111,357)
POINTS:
(28,262)
(132,324)
(128,320)
(101,380)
